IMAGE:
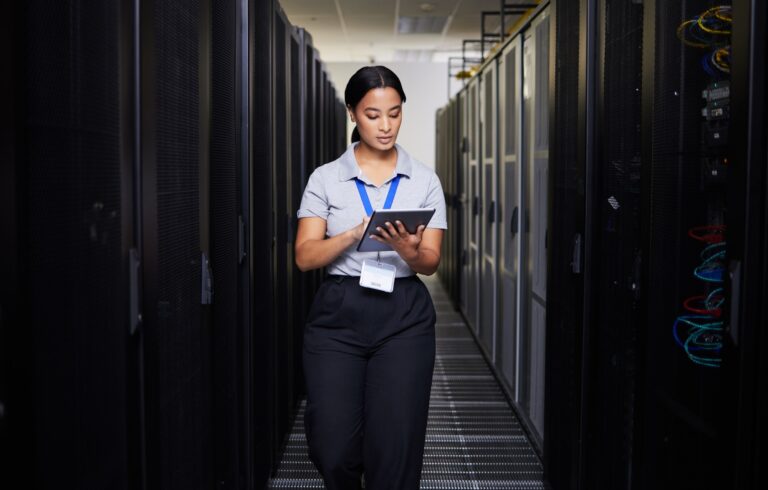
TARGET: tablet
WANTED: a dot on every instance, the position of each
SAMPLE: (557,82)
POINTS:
(410,218)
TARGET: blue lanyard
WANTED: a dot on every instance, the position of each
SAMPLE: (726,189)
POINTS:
(367,202)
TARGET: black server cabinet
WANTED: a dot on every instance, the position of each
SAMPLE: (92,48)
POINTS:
(450,180)
(299,178)
(66,415)
(282,351)
(458,189)
(227,175)
(565,275)
(663,188)
(686,166)
(748,246)
(176,329)
(260,235)
(615,249)
(310,147)
(441,149)
(322,113)
(10,258)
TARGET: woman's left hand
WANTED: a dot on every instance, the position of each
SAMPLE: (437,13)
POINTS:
(396,236)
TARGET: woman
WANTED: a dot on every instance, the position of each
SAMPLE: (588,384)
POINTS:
(368,354)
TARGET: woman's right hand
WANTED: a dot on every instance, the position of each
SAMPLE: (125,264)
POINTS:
(357,231)
(313,250)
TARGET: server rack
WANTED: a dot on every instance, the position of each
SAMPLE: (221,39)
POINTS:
(535,197)
(228,198)
(614,187)
(441,121)
(258,240)
(686,163)
(299,292)
(68,221)
(488,130)
(510,100)
(139,175)
(463,144)
(505,158)
(748,249)
(564,377)
(447,194)
(453,171)
(447,167)
(440,117)
(474,211)
(658,398)
(636,158)
(282,249)
(306,121)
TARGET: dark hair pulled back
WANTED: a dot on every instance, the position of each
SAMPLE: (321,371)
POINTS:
(368,78)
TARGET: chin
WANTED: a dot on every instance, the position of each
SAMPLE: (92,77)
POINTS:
(382,146)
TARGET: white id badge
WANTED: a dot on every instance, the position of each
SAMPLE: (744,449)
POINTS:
(377,275)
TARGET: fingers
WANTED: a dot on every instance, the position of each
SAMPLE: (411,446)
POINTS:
(391,234)
(386,231)
(396,231)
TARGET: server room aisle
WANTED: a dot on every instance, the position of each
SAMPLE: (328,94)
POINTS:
(474,440)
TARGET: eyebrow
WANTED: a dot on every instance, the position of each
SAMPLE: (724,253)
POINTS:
(390,109)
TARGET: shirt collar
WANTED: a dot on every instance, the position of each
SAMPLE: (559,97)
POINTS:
(349,170)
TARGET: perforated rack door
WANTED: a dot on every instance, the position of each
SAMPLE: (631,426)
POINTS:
(69,346)
(177,342)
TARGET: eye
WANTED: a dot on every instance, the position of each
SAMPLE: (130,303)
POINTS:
(372,116)
(395,115)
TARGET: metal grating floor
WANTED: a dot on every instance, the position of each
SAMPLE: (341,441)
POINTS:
(474,440)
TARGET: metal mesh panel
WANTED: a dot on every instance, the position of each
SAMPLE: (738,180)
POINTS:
(177,347)
(72,124)
(284,362)
(298,175)
(224,235)
(618,208)
(564,288)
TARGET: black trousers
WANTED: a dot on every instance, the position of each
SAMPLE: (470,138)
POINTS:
(368,362)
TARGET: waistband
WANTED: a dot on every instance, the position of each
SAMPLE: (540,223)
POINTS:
(341,278)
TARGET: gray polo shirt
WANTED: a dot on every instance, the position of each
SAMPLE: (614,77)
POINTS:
(332,194)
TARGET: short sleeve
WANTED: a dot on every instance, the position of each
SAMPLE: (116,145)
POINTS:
(436,199)
(314,202)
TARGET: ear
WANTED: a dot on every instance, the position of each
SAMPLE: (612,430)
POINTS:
(351,112)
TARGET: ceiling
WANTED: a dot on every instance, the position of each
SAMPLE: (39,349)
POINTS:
(379,31)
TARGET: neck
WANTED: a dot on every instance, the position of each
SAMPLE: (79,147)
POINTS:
(368,155)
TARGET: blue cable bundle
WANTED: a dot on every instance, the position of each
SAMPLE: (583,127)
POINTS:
(700,335)
(703,338)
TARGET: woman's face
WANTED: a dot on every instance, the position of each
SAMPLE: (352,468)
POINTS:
(378,116)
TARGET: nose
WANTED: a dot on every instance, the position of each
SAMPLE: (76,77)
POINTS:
(385,125)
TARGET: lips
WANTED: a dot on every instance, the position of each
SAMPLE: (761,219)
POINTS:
(384,139)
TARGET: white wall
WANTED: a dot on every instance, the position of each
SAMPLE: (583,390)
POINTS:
(426,90)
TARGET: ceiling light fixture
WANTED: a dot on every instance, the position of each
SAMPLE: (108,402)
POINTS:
(421,25)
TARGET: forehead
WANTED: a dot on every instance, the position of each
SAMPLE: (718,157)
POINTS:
(380,98)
